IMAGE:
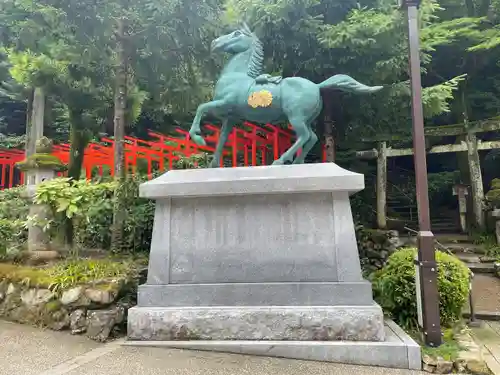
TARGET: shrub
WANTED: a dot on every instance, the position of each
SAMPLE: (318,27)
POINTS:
(394,287)
(12,235)
(90,206)
(13,212)
(493,196)
(12,204)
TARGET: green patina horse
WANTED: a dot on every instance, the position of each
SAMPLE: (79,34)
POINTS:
(244,93)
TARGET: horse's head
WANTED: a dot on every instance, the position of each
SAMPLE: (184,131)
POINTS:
(236,42)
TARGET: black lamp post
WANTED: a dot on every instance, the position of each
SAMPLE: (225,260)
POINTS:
(426,267)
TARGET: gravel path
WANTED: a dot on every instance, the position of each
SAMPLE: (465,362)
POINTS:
(486,293)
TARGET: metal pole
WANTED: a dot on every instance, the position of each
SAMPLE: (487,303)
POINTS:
(473,322)
(426,261)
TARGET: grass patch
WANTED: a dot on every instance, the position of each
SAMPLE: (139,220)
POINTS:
(70,273)
(489,242)
(448,350)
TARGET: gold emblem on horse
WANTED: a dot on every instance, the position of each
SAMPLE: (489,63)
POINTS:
(261,98)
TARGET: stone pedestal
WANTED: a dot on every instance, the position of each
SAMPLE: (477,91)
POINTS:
(266,253)
(255,254)
(38,240)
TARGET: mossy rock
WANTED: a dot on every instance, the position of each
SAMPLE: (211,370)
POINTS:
(495,184)
(42,161)
(24,275)
(376,235)
(108,274)
(53,306)
(494,196)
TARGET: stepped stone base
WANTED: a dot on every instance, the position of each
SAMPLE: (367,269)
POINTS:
(261,260)
(355,323)
(398,350)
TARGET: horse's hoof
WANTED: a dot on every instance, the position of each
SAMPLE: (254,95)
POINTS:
(278,162)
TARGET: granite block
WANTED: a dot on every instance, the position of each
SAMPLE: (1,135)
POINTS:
(315,323)
(256,294)
(261,238)
(257,238)
(272,179)
(393,352)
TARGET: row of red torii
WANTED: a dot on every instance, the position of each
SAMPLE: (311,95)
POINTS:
(249,145)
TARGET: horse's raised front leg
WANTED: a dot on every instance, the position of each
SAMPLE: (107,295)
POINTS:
(195,131)
(303,135)
(307,148)
(227,126)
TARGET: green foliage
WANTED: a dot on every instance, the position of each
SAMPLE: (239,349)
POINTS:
(70,198)
(83,271)
(12,233)
(28,68)
(449,349)
(105,272)
(394,287)
(193,161)
(493,195)
(13,212)
(488,242)
(441,187)
(13,206)
(90,206)
(11,141)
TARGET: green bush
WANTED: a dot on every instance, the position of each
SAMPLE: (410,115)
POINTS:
(12,204)
(394,287)
(13,213)
(493,196)
(12,235)
(90,206)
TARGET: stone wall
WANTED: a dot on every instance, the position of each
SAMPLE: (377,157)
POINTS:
(375,246)
(97,311)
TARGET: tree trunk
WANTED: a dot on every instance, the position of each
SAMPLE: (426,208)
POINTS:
(119,134)
(328,128)
(37,117)
(34,125)
(79,140)
(29,145)
(471,9)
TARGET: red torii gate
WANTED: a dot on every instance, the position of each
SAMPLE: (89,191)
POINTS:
(252,141)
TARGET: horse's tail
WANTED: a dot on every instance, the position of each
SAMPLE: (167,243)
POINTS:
(345,83)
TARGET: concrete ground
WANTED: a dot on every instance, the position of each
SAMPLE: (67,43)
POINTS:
(25,350)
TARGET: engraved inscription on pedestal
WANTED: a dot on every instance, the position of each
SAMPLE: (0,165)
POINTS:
(261,253)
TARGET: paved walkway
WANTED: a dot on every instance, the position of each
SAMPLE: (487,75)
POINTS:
(26,350)
(488,335)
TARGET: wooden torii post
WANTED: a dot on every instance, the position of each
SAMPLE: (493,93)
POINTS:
(471,145)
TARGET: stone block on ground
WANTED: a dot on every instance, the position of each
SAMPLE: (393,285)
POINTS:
(261,254)
(72,295)
(33,297)
(100,323)
(78,321)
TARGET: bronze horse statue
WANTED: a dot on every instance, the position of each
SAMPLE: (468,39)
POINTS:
(244,93)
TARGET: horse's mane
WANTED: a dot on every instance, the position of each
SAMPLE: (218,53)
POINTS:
(256,62)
